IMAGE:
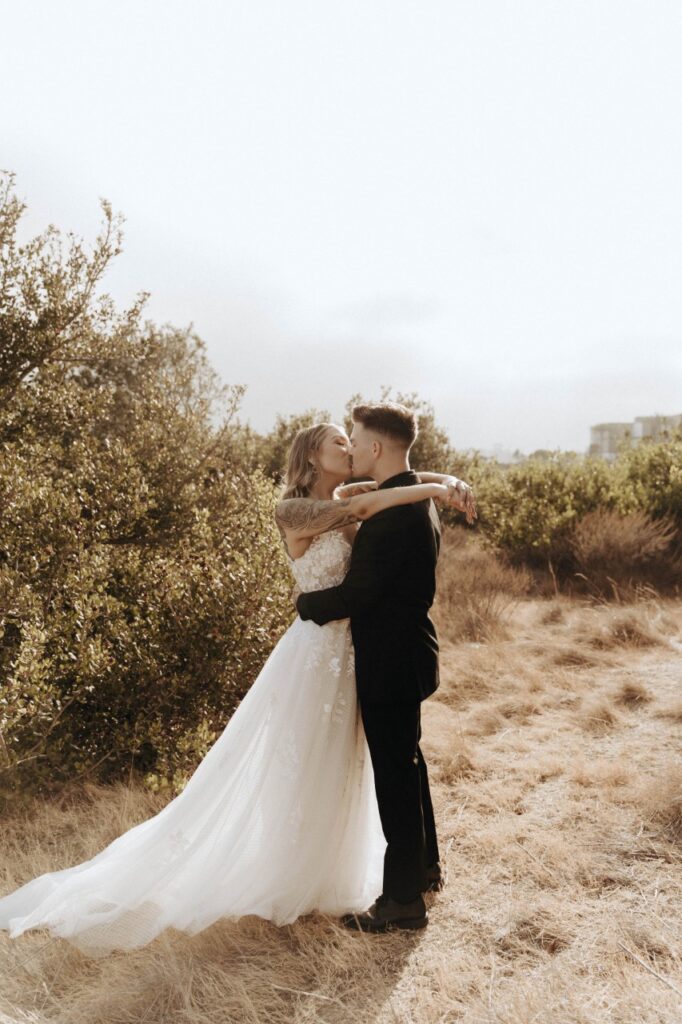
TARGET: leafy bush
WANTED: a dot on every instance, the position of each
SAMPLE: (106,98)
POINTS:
(529,509)
(268,452)
(142,581)
(531,512)
(649,477)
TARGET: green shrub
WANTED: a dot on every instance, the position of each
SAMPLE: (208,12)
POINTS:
(142,580)
(649,477)
(528,510)
(531,512)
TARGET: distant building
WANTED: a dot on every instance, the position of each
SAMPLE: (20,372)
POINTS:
(655,427)
(606,438)
(504,456)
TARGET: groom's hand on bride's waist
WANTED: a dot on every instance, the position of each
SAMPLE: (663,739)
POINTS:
(300,601)
(295,594)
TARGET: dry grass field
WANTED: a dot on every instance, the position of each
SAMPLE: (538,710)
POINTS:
(555,758)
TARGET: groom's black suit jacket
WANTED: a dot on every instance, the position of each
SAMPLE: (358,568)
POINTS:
(387,593)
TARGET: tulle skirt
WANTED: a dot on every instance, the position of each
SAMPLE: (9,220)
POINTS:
(278,820)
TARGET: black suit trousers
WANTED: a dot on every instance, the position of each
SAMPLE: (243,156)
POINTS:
(401,779)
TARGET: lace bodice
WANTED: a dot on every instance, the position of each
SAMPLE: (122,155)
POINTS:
(324,563)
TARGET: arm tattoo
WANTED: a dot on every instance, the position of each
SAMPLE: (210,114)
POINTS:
(298,514)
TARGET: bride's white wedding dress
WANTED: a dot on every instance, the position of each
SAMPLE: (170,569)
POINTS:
(279,819)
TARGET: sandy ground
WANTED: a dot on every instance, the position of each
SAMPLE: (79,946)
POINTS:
(555,763)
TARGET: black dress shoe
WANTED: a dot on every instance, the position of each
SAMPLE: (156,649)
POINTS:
(386,914)
(435,879)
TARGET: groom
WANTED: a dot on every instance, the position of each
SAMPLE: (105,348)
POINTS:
(387,593)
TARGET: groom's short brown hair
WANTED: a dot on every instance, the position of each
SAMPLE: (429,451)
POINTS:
(390,419)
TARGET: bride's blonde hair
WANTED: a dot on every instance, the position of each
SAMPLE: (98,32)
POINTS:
(300,473)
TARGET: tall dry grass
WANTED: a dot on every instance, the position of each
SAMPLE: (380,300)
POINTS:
(622,557)
(476,589)
(562,841)
(659,798)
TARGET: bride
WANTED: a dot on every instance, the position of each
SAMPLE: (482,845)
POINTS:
(280,817)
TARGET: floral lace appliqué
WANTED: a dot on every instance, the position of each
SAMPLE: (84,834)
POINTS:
(324,563)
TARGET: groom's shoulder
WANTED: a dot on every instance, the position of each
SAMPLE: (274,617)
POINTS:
(388,519)
(390,522)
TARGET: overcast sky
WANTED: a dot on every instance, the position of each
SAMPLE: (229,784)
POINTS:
(475,199)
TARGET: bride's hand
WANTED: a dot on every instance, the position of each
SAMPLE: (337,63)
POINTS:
(461,497)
